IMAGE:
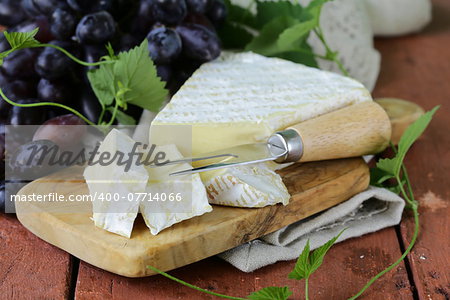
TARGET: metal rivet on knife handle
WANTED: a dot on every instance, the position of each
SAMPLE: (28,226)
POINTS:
(286,140)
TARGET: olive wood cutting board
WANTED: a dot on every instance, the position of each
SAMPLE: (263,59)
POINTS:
(314,187)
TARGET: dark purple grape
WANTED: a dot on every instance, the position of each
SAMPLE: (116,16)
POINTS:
(199,19)
(145,19)
(128,41)
(27,115)
(217,12)
(93,53)
(96,28)
(30,8)
(164,72)
(7,189)
(11,13)
(2,196)
(20,64)
(44,35)
(199,42)
(33,160)
(4,110)
(43,7)
(197,6)
(20,89)
(63,24)
(164,45)
(88,105)
(65,131)
(182,70)
(52,63)
(89,6)
(169,12)
(2,147)
(4,45)
(54,91)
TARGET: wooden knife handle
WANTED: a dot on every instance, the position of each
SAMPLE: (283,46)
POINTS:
(356,130)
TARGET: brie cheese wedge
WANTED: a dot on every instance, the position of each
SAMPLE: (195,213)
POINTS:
(172,199)
(246,186)
(110,186)
(242,98)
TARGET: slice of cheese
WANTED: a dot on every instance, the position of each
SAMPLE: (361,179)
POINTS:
(241,98)
(111,186)
(246,186)
(185,196)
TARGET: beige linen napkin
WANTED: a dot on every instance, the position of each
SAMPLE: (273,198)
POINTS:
(366,212)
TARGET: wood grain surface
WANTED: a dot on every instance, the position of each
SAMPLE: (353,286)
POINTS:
(29,267)
(313,187)
(346,132)
(417,68)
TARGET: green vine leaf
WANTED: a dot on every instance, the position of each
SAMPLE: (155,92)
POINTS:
(295,34)
(102,81)
(122,117)
(301,269)
(269,10)
(308,262)
(393,166)
(271,293)
(266,42)
(136,71)
(22,40)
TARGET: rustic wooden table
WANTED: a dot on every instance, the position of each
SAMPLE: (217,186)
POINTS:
(417,68)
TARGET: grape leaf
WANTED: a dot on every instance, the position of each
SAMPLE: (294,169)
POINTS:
(379,176)
(103,83)
(239,14)
(122,117)
(266,42)
(295,34)
(313,11)
(316,258)
(21,40)
(271,293)
(301,269)
(234,36)
(269,10)
(393,165)
(308,262)
(303,55)
(132,76)
(136,71)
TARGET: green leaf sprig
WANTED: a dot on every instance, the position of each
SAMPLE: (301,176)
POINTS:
(127,78)
(394,168)
(131,79)
(308,262)
(278,29)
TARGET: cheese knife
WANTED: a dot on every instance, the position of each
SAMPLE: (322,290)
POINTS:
(356,130)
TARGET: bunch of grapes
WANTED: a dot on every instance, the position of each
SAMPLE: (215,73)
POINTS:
(181,36)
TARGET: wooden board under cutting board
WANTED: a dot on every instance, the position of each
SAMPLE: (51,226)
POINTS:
(314,187)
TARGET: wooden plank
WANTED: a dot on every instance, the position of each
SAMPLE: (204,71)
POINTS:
(313,187)
(29,267)
(417,68)
(346,268)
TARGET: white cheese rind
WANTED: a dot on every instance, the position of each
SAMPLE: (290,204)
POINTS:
(246,186)
(245,97)
(159,215)
(111,180)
